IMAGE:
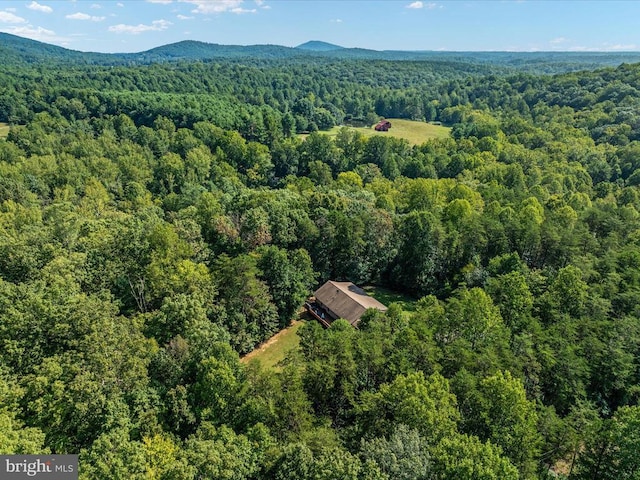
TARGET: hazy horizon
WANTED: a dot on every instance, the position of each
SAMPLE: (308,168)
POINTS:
(459,26)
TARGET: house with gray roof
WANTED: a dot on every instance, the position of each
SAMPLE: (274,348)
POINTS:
(345,300)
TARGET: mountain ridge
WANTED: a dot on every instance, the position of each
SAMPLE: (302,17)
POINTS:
(16,50)
(319,46)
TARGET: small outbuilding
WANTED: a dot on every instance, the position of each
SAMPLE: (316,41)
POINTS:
(382,126)
(335,300)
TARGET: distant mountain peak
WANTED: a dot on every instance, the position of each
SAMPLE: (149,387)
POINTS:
(318,46)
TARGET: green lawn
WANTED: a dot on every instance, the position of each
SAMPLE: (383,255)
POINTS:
(387,297)
(274,350)
(4,130)
(416,133)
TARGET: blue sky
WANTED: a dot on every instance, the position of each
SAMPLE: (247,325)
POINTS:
(462,25)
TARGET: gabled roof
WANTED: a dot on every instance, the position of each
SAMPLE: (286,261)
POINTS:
(346,300)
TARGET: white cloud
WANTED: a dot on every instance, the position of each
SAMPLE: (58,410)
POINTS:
(336,20)
(78,16)
(240,11)
(156,26)
(207,7)
(38,33)
(565,45)
(119,4)
(418,5)
(620,47)
(84,16)
(8,17)
(39,8)
(184,17)
(96,6)
(557,41)
(10,10)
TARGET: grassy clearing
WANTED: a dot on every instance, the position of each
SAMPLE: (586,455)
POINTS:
(387,297)
(416,133)
(274,350)
(4,130)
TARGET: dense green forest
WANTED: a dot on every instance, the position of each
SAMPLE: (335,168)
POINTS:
(159,220)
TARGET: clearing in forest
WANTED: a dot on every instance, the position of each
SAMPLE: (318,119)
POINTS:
(387,297)
(416,133)
(4,130)
(274,350)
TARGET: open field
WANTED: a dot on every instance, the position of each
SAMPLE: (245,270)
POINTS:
(274,350)
(414,132)
(4,130)
(387,297)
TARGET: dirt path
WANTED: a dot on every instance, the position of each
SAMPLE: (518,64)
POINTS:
(263,346)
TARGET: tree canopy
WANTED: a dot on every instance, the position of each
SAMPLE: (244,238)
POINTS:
(158,221)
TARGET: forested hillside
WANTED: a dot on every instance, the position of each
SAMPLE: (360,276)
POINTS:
(15,50)
(157,221)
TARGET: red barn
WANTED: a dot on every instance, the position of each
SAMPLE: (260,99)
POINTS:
(383,126)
